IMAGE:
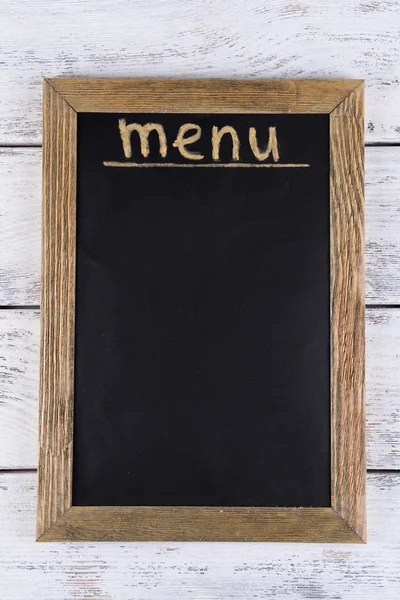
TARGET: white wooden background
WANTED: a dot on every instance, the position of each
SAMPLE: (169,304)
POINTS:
(195,38)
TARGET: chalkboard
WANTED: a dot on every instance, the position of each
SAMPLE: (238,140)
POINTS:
(201,346)
(202,317)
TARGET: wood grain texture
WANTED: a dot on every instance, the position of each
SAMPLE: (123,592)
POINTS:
(203,95)
(200,524)
(57,311)
(383,388)
(279,39)
(348,457)
(20,189)
(19,384)
(382,225)
(19,375)
(167,571)
(20,186)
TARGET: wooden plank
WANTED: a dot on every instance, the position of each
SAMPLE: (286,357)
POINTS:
(282,39)
(19,388)
(383,388)
(20,202)
(347,320)
(19,382)
(20,185)
(166,571)
(202,96)
(57,342)
(201,524)
(382,225)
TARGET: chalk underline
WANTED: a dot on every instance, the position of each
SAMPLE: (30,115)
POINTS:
(111,163)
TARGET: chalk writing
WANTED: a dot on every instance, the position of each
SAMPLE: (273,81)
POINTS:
(190,133)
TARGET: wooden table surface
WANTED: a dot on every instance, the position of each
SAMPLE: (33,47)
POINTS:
(195,38)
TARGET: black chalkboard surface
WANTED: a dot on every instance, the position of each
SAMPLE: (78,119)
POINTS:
(202,357)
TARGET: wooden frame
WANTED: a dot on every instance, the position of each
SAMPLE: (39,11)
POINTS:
(345,520)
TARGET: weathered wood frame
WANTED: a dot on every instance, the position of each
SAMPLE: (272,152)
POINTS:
(345,520)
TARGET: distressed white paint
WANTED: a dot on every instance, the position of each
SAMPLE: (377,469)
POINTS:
(383,388)
(19,367)
(382,224)
(19,388)
(20,219)
(213,38)
(172,571)
(20,189)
